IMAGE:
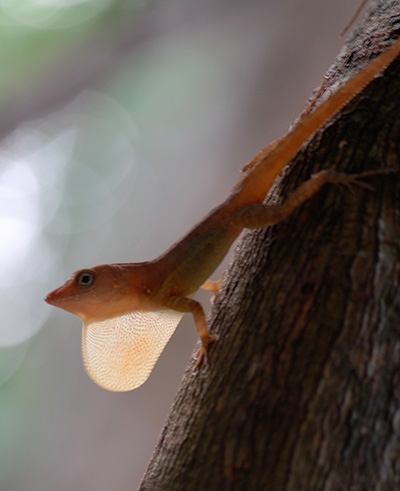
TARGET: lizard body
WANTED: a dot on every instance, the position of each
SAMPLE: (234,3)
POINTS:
(130,311)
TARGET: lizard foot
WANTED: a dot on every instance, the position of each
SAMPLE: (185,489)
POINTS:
(350,180)
(202,353)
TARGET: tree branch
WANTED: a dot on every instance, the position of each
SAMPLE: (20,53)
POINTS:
(302,389)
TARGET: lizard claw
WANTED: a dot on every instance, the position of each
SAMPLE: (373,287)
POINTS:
(202,353)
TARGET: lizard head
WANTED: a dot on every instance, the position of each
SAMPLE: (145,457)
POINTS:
(93,294)
(122,337)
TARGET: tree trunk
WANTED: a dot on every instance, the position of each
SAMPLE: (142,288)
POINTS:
(302,388)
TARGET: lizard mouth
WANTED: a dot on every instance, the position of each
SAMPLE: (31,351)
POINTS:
(54,297)
(50,298)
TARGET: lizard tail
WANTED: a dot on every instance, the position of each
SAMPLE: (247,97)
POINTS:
(259,175)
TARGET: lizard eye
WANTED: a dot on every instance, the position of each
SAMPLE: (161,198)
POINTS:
(85,279)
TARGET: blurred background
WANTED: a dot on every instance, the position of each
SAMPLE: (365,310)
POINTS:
(122,123)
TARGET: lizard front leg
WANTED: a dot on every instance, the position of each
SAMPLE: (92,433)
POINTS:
(185,304)
(211,286)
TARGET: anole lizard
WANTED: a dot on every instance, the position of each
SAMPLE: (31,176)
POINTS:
(130,311)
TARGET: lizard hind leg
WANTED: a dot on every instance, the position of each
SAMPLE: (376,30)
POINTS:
(261,215)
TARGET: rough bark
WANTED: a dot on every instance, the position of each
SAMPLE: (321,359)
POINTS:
(302,389)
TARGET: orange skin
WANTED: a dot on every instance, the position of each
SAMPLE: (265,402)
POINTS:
(106,295)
